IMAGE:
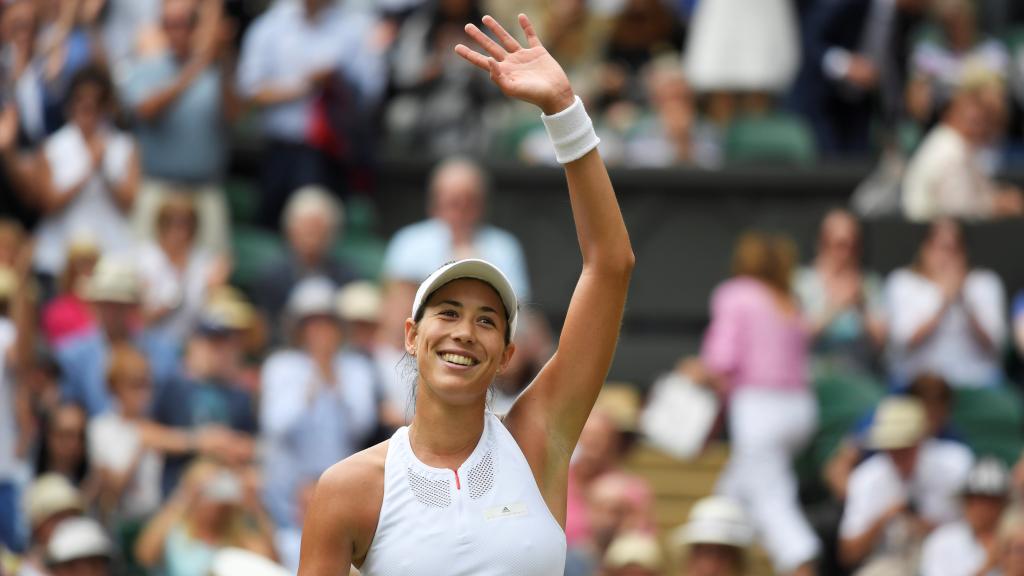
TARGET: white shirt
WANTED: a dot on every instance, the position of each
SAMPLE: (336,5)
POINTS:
(9,463)
(952,350)
(487,518)
(114,443)
(93,210)
(182,291)
(933,490)
(944,179)
(952,550)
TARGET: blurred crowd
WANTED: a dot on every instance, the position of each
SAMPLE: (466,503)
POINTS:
(163,413)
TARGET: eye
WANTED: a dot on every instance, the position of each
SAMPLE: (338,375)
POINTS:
(448,313)
(488,321)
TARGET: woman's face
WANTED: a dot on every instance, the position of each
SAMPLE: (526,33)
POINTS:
(321,336)
(177,227)
(67,438)
(18,25)
(214,516)
(133,392)
(87,107)
(459,343)
(840,239)
(943,247)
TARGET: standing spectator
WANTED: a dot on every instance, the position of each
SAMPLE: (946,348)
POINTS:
(19,26)
(312,221)
(88,175)
(176,273)
(125,24)
(715,539)
(961,548)
(183,99)
(843,303)
(79,547)
(756,348)
(897,496)
(299,59)
(860,56)
(945,317)
(945,177)
(319,402)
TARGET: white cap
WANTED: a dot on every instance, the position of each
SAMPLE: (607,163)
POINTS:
(75,538)
(479,270)
(359,301)
(113,280)
(312,297)
(634,549)
(716,520)
(899,422)
(223,488)
(988,477)
(238,562)
(50,494)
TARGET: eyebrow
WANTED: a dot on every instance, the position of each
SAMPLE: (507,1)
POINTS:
(459,305)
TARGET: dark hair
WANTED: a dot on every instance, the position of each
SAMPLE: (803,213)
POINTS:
(927,380)
(91,75)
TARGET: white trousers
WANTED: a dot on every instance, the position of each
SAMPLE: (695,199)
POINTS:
(768,429)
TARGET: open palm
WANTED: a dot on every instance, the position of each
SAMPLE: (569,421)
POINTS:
(529,74)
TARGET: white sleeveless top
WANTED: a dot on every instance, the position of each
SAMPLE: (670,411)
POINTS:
(488,518)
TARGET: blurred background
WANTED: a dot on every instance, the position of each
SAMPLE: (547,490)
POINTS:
(214,215)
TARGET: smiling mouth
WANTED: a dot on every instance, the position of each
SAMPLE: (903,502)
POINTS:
(458,359)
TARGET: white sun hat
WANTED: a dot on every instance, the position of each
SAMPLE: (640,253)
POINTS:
(899,422)
(76,538)
(478,270)
(715,520)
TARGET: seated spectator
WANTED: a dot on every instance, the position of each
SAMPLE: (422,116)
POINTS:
(900,494)
(842,302)
(756,351)
(307,65)
(176,273)
(62,448)
(962,548)
(318,401)
(633,554)
(312,221)
(114,291)
(641,31)
(944,177)
(79,547)
(945,317)
(208,512)
(715,539)
(50,500)
(183,98)
(617,503)
(207,394)
(88,173)
(67,314)
(938,63)
(128,470)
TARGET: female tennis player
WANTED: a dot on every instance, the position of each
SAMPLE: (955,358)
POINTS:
(458,491)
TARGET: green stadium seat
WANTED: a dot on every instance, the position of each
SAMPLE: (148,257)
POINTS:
(253,248)
(243,200)
(773,138)
(991,420)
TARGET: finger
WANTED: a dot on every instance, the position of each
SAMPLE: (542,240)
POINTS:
(485,42)
(531,35)
(506,39)
(473,57)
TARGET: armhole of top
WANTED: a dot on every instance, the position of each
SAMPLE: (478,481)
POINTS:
(383,505)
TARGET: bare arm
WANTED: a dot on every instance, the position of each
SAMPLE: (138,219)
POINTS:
(552,411)
(158,103)
(125,189)
(149,549)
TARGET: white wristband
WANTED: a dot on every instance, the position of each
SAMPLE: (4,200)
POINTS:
(571,131)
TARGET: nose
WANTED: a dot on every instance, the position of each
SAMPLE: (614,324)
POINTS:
(464,330)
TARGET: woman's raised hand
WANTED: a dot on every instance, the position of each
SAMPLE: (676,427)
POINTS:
(529,74)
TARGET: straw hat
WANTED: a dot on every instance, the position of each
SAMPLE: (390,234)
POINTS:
(114,280)
(900,422)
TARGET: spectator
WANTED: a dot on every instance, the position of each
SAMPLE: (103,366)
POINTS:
(961,548)
(534,347)
(183,99)
(88,173)
(897,496)
(68,315)
(298,60)
(63,448)
(19,26)
(176,273)
(232,561)
(944,178)
(318,401)
(715,539)
(128,470)
(312,222)
(860,61)
(937,64)
(125,25)
(439,104)
(633,554)
(114,291)
(208,512)
(640,32)
(79,547)
(288,539)
(945,317)
(207,394)
(756,349)
(1007,557)
(843,303)
(50,500)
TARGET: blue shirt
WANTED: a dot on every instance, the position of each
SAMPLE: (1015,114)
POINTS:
(186,142)
(417,250)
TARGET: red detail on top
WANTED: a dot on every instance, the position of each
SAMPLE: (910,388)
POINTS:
(458,485)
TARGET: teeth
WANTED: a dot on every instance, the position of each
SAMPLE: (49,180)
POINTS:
(458,359)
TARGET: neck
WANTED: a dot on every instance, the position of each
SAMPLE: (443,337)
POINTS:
(441,435)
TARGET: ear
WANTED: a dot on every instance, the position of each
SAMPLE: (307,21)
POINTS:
(410,336)
(506,357)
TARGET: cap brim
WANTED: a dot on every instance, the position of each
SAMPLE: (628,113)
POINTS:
(475,269)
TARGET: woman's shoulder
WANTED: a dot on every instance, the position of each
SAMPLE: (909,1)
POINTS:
(361,473)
